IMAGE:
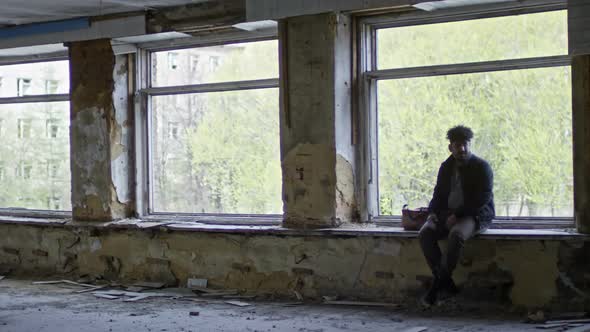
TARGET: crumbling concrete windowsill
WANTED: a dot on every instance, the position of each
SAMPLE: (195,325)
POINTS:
(355,230)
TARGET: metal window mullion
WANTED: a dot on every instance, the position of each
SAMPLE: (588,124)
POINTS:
(141,145)
(35,99)
(216,40)
(419,17)
(468,68)
(213,87)
(27,59)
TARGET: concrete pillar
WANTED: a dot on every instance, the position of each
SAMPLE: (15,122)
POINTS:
(316,151)
(99,132)
(581,135)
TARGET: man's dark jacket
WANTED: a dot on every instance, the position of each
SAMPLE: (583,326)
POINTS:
(477,181)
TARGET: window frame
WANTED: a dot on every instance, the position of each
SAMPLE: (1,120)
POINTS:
(143,115)
(34,98)
(368,76)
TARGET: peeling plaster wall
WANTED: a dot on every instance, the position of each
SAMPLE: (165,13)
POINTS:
(309,177)
(316,125)
(532,273)
(99,133)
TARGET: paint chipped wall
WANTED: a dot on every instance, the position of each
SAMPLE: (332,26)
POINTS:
(316,148)
(531,273)
(99,133)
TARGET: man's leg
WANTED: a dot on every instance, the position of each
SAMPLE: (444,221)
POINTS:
(429,236)
(463,230)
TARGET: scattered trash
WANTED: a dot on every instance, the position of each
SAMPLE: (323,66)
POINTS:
(196,282)
(298,295)
(220,293)
(536,317)
(62,282)
(106,296)
(330,298)
(360,303)
(290,304)
(135,289)
(91,289)
(137,298)
(583,328)
(146,284)
(238,303)
(2,277)
(193,313)
(416,329)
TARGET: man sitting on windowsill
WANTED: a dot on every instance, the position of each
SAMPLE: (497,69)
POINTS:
(462,205)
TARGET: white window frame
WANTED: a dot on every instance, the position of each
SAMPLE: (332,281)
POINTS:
(368,76)
(143,115)
(33,98)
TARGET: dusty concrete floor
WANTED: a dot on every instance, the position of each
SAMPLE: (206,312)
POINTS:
(28,307)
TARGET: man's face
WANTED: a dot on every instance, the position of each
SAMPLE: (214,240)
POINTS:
(461,150)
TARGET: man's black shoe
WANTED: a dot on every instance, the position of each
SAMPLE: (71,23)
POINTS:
(448,285)
(430,297)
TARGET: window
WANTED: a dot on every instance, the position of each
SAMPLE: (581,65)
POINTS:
(194,62)
(53,203)
(213,62)
(52,128)
(508,79)
(173,129)
(24,170)
(51,86)
(172,60)
(23,86)
(53,169)
(24,128)
(226,158)
(28,178)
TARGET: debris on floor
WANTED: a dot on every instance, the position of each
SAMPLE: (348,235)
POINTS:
(193,313)
(196,282)
(361,303)
(238,303)
(569,325)
(416,329)
(147,284)
(536,317)
(64,281)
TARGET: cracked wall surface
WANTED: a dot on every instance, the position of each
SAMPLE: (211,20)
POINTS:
(524,273)
(99,132)
(316,150)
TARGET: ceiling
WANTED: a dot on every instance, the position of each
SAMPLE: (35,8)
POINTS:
(14,12)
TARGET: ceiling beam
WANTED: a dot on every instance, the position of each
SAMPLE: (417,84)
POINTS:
(196,17)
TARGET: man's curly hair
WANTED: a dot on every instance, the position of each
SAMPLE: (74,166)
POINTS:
(460,133)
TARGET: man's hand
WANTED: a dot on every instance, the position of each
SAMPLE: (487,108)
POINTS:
(432,218)
(451,221)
